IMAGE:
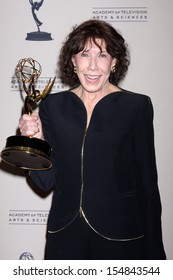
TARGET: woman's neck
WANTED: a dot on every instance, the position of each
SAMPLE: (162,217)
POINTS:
(90,99)
(94,97)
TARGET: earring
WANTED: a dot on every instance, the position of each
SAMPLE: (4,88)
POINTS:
(74,69)
(113,69)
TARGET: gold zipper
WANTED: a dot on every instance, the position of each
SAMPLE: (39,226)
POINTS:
(82,185)
(56,231)
(106,237)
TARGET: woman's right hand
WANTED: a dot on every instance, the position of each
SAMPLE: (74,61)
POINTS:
(30,125)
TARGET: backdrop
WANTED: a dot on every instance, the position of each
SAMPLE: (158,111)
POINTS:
(147,27)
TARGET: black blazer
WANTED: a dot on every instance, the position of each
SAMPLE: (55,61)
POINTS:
(106,172)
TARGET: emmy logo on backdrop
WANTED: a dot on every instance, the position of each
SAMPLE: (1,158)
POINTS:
(22,151)
(37,35)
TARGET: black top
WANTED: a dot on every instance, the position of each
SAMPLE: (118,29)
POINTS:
(108,170)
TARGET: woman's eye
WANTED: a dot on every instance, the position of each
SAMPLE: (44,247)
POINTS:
(102,55)
(84,54)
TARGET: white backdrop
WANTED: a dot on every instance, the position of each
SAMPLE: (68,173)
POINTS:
(147,27)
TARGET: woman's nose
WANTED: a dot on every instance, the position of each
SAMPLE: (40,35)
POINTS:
(93,64)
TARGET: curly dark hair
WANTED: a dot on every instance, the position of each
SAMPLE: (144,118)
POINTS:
(92,30)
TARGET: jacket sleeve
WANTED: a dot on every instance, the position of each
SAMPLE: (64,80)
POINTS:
(45,179)
(147,181)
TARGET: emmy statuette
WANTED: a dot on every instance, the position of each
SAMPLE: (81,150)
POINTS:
(23,151)
(37,35)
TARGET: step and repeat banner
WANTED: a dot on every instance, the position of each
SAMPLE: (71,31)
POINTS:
(37,29)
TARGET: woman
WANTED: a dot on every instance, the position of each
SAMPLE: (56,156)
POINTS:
(106,202)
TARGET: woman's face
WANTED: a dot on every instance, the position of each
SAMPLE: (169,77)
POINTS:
(93,66)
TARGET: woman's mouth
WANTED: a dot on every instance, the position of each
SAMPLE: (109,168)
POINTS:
(92,77)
